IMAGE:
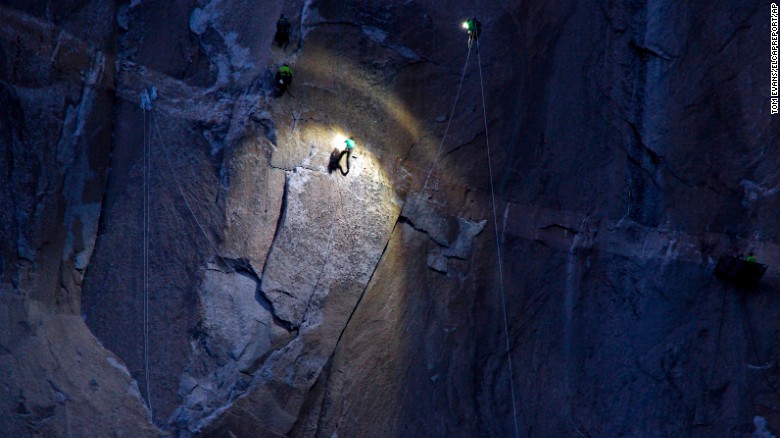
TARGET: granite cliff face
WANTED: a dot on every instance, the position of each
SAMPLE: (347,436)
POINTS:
(631,145)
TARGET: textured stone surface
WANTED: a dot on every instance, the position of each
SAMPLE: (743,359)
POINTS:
(59,381)
(56,81)
(254,202)
(323,258)
(235,331)
(337,242)
(403,350)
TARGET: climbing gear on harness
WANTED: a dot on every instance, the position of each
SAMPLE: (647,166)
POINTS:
(283,78)
(350,144)
(146,101)
(348,153)
(473,27)
(148,96)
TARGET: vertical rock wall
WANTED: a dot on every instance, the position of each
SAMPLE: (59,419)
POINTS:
(631,146)
(56,82)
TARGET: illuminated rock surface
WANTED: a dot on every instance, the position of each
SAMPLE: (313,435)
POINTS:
(631,146)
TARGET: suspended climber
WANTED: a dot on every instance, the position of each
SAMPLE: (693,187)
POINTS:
(350,144)
(473,27)
(283,79)
(282,36)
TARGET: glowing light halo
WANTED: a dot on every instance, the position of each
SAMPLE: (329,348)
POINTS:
(338,139)
(332,132)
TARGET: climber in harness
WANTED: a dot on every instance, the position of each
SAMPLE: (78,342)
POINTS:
(283,78)
(282,36)
(350,144)
(473,27)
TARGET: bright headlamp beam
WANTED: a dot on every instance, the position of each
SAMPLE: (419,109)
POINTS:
(338,140)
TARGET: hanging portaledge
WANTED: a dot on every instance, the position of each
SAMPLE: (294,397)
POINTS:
(739,271)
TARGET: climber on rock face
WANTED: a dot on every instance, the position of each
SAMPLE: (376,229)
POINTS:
(283,78)
(282,36)
(473,27)
(751,258)
(350,143)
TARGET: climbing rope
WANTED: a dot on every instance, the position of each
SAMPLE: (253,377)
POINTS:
(181,190)
(340,65)
(498,247)
(495,220)
(146,105)
(325,262)
(146,226)
(449,122)
(148,134)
